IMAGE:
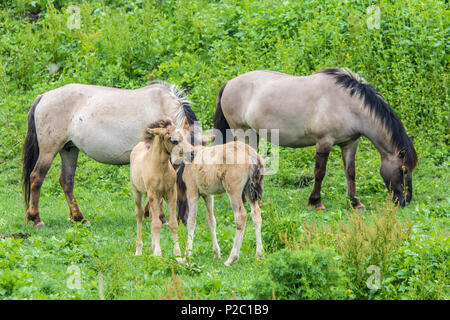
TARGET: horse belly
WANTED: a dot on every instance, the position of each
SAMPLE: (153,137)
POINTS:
(110,142)
(208,183)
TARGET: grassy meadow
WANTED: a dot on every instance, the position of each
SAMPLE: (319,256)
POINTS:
(400,47)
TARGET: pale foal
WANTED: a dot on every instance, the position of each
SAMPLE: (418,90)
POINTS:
(152,174)
(211,172)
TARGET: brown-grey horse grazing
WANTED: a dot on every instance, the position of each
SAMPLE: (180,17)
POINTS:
(331,107)
(105,123)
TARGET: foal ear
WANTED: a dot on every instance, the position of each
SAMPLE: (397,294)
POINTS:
(207,139)
(156,131)
(186,124)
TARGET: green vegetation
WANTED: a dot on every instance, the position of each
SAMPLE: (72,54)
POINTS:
(199,45)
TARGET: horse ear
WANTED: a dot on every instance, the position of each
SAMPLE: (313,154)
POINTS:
(207,139)
(155,131)
(186,124)
(402,153)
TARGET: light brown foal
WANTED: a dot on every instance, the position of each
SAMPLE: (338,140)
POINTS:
(152,174)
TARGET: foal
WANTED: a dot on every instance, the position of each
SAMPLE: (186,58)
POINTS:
(152,173)
(214,170)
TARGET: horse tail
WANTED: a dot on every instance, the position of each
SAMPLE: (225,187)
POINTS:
(220,122)
(30,152)
(255,185)
(182,204)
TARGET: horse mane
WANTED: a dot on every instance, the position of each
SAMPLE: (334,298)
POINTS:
(162,123)
(379,109)
(185,110)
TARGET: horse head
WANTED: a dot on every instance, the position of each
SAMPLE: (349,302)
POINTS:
(396,172)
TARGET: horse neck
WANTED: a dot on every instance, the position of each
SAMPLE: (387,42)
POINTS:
(158,153)
(378,135)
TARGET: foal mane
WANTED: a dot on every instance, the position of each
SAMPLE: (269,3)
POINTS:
(379,109)
(185,110)
(162,123)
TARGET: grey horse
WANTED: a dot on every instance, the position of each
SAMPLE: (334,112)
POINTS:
(105,123)
(330,107)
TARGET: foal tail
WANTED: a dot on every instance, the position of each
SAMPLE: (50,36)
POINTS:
(255,185)
(220,122)
(30,152)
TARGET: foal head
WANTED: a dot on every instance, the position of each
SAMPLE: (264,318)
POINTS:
(187,139)
(162,129)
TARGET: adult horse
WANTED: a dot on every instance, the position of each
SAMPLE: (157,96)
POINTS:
(105,123)
(331,107)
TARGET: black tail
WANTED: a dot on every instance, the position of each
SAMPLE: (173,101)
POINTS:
(182,204)
(30,152)
(255,185)
(220,123)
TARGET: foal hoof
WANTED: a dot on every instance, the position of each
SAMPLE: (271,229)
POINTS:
(230,261)
(39,225)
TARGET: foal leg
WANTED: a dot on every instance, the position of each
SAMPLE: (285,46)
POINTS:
(322,153)
(193,205)
(162,217)
(240,218)
(211,222)
(68,167)
(173,222)
(36,179)
(139,213)
(256,217)
(155,224)
(348,156)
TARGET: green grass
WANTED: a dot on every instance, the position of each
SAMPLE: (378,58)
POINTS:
(199,46)
(107,246)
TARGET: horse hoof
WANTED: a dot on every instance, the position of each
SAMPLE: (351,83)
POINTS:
(321,208)
(230,261)
(39,225)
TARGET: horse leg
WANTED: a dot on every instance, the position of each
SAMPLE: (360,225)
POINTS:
(211,222)
(139,213)
(240,218)
(191,221)
(256,217)
(155,224)
(322,153)
(36,179)
(173,222)
(348,157)
(162,217)
(68,166)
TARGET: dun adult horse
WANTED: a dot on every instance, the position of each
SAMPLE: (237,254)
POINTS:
(331,107)
(105,123)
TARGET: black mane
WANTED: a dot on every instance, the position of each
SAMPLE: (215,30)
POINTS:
(380,109)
